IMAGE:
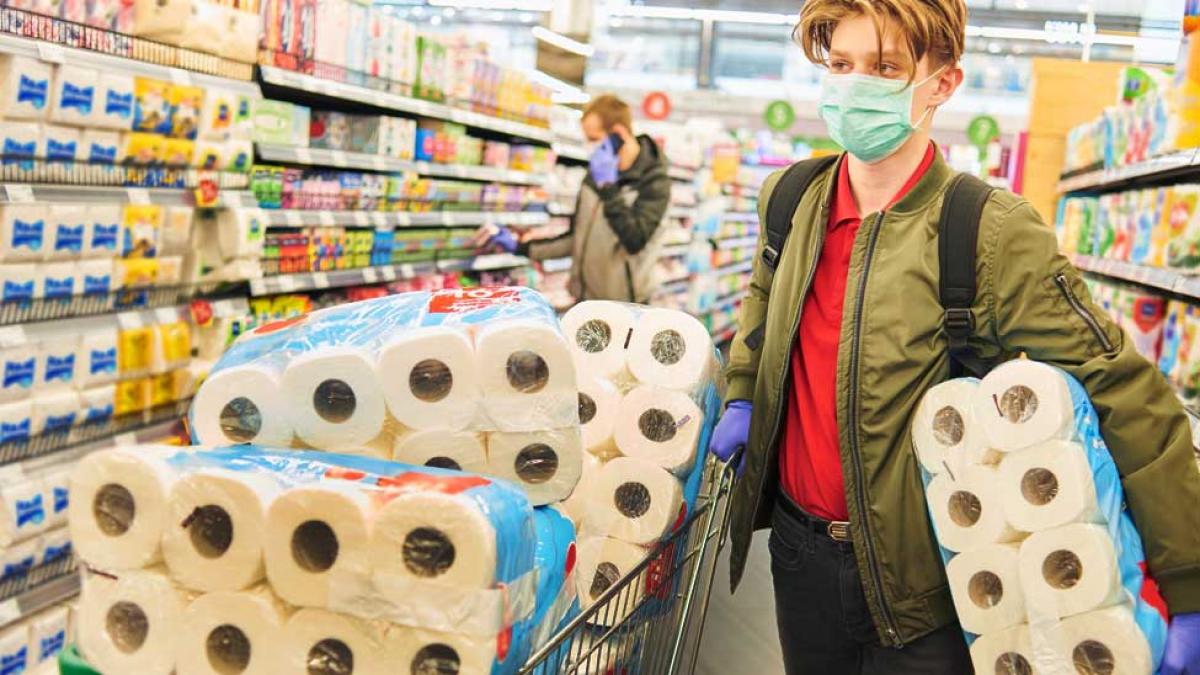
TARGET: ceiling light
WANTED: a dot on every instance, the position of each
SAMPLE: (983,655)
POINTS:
(722,15)
(563,42)
(520,5)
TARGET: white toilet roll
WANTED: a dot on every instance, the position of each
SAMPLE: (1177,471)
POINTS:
(430,380)
(55,411)
(48,634)
(319,641)
(1048,485)
(1023,403)
(316,540)
(1106,641)
(334,398)
(602,562)
(967,513)
(659,425)
(545,464)
(424,544)
(242,404)
(231,632)
(56,491)
(599,333)
(425,651)
(527,376)
(131,625)
(986,588)
(670,349)
(576,506)
(23,510)
(598,404)
(458,450)
(634,501)
(1004,652)
(1070,569)
(944,433)
(118,507)
(98,357)
(214,535)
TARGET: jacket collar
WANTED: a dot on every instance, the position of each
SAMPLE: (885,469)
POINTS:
(920,197)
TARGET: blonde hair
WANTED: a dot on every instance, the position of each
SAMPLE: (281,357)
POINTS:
(934,27)
(611,111)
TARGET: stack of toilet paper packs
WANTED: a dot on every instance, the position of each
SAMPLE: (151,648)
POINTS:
(1044,564)
(647,402)
(310,548)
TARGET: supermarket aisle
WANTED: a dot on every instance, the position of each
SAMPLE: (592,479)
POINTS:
(740,634)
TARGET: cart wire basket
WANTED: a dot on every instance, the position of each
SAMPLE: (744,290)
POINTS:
(650,621)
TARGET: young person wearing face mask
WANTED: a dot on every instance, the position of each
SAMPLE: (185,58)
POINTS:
(844,330)
(613,237)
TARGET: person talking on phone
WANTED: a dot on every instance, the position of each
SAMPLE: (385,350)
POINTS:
(614,235)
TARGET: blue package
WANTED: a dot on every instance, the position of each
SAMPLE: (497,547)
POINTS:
(59,368)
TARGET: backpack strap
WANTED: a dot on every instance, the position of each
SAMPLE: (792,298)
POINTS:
(958,233)
(781,207)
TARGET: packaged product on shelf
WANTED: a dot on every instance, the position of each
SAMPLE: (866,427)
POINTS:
(330,130)
(140,226)
(18,282)
(16,421)
(101,147)
(56,545)
(48,635)
(14,648)
(280,123)
(240,37)
(21,140)
(54,411)
(57,280)
(104,237)
(143,148)
(1183,245)
(24,87)
(178,152)
(18,559)
(98,404)
(98,358)
(1016,554)
(185,104)
(59,143)
(161,20)
(430,68)
(115,101)
(57,358)
(152,106)
(73,97)
(66,227)
(206,26)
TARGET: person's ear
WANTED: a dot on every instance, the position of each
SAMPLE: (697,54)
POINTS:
(946,84)
(622,131)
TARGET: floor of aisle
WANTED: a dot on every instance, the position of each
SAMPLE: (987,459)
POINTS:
(739,636)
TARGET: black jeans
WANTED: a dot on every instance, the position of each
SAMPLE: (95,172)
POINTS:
(825,626)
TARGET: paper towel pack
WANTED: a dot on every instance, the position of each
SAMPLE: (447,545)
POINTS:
(95,277)
(66,228)
(14,649)
(18,282)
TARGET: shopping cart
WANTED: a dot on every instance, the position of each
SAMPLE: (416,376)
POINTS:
(649,621)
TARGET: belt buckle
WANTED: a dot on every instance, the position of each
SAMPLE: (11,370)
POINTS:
(838,530)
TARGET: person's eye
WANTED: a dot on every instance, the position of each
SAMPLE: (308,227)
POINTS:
(839,66)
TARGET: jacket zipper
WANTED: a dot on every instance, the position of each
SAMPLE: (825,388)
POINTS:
(855,451)
(1065,287)
(629,281)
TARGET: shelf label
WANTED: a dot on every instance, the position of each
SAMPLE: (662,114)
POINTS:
(407,271)
(166,315)
(320,280)
(388,273)
(286,283)
(447,219)
(362,218)
(325,218)
(370,275)
(51,53)
(379,163)
(129,320)
(13,336)
(258,287)
(10,611)
(181,77)
(304,156)
(403,219)
(19,193)
(338,157)
(380,220)
(138,196)
(293,218)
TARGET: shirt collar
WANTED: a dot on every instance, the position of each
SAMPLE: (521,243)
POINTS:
(846,211)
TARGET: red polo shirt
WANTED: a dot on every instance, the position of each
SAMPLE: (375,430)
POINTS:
(810,464)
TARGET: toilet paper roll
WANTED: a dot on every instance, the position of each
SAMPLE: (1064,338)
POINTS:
(56,490)
(104,229)
(119,507)
(333,398)
(1005,652)
(14,649)
(986,588)
(602,562)
(659,425)
(599,332)
(1023,403)
(967,513)
(55,411)
(97,403)
(319,641)
(598,404)
(66,231)
(634,501)
(545,464)
(527,376)
(214,535)
(16,422)
(22,511)
(423,544)
(131,625)
(575,506)
(1070,569)
(98,358)
(231,632)
(18,282)
(1048,485)
(427,651)
(317,538)
(57,360)
(670,349)
(458,450)
(22,232)
(944,432)
(1106,641)
(48,635)
(430,380)
(242,404)
(18,368)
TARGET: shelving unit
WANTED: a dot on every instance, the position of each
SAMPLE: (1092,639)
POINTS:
(1174,165)
(570,150)
(41,587)
(735,242)
(14,193)
(143,426)
(373,162)
(385,219)
(1179,283)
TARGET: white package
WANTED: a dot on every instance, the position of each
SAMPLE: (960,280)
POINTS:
(55,545)
(944,433)
(1070,569)
(1023,403)
(104,231)
(634,501)
(21,140)
(1048,485)
(599,332)
(59,279)
(22,232)
(55,411)
(242,404)
(659,425)
(58,359)
(430,379)
(73,98)
(670,349)
(1005,651)
(60,143)
(176,230)
(48,635)
(14,649)
(130,625)
(427,651)
(967,513)
(56,495)
(101,147)
(24,87)
(97,357)
(241,232)
(315,640)
(527,376)
(545,464)
(115,102)
(95,276)
(231,632)
(66,229)
(18,372)
(16,421)
(22,511)
(97,403)
(18,559)
(604,561)
(18,282)
(1106,641)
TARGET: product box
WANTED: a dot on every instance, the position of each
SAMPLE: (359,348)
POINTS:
(357,13)
(115,102)
(330,130)
(430,69)
(152,106)
(365,131)
(178,151)
(101,147)
(24,88)
(274,122)
(143,148)
(59,143)
(185,103)
(162,20)
(73,98)
(1183,247)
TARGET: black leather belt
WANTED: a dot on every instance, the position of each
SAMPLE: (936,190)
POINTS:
(837,530)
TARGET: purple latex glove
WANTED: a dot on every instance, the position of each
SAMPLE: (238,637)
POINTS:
(603,164)
(504,239)
(731,433)
(1183,646)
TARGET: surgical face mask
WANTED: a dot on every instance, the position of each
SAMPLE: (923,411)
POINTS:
(869,116)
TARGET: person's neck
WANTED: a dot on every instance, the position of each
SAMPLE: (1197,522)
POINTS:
(874,185)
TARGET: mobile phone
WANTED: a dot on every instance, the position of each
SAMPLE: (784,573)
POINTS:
(616,141)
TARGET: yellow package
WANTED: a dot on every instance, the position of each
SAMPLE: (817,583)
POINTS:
(142,225)
(135,350)
(1183,244)
(132,396)
(144,148)
(162,389)
(152,105)
(185,110)
(1160,234)
(178,151)
(176,339)
(135,272)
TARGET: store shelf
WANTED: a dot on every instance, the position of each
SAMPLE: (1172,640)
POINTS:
(681,213)
(134,428)
(556,209)
(1156,277)
(725,302)
(1175,164)
(681,173)
(381,99)
(12,193)
(381,274)
(570,150)
(735,268)
(740,216)
(386,219)
(374,162)
(674,250)
(483,263)
(37,589)
(735,242)
(724,335)
(54,53)
(556,265)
